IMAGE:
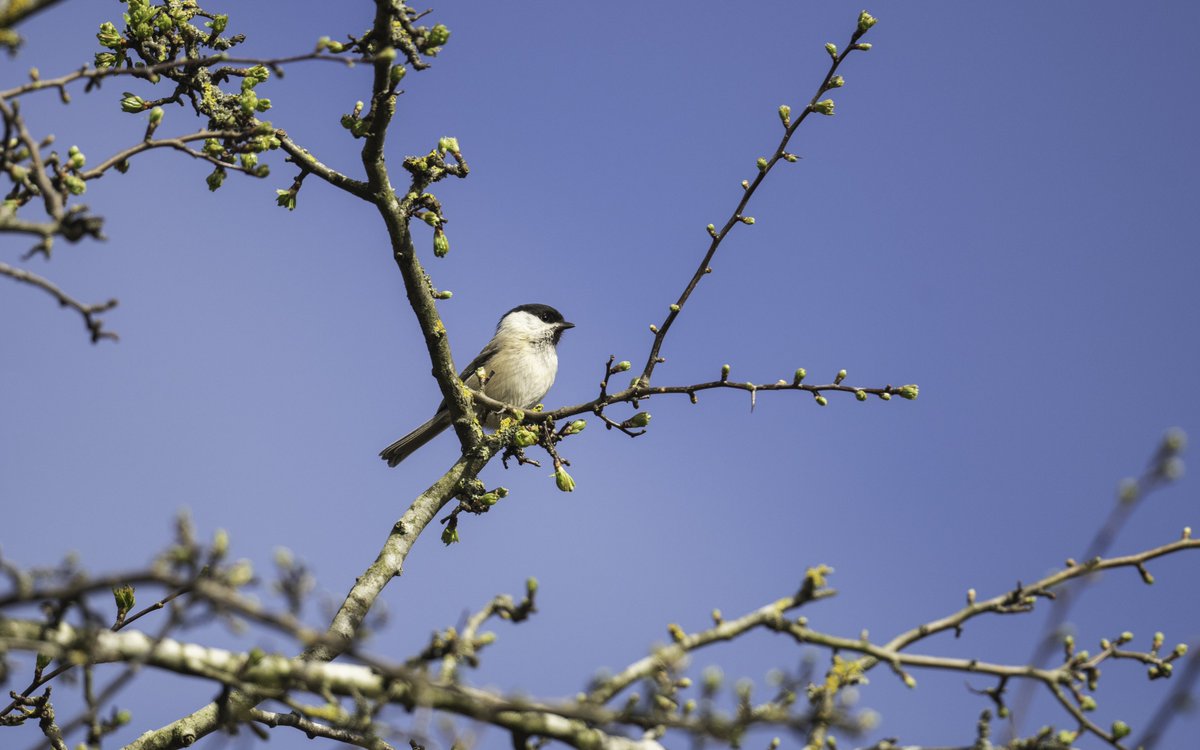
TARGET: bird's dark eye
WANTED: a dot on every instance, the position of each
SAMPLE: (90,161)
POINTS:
(546,317)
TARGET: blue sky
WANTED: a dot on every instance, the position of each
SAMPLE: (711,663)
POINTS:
(1001,211)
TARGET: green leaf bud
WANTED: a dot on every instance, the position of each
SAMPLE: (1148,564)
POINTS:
(489,498)
(122,717)
(156,116)
(576,427)
(105,60)
(531,586)
(441,244)
(1120,730)
(220,544)
(747,219)
(724,373)
(563,479)
(285,199)
(447,144)
(1087,703)
(653,328)
(864,46)
(262,105)
(865,21)
(641,419)
(831,48)
(1157,642)
(837,82)
(792,158)
(432,219)
(674,308)
(785,115)
(885,396)
(712,230)
(860,395)
(248,101)
(841,375)
(249,161)
(132,103)
(909,681)
(525,438)
(396,74)
(800,375)
(823,107)
(43,661)
(908,391)
(443,294)
(386,54)
(437,36)
(75,158)
(622,366)
(216,178)
(213,147)
(109,36)
(1180,650)
(761,164)
(450,535)
(124,597)
(74,185)
(821,400)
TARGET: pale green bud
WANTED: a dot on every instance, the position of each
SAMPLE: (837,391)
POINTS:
(885,396)
(860,395)
(785,115)
(761,164)
(396,74)
(489,498)
(156,116)
(437,36)
(831,48)
(448,144)
(74,185)
(109,36)
(1120,730)
(622,366)
(837,82)
(674,308)
(641,419)
(105,60)
(124,598)
(800,375)
(908,391)
(563,479)
(220,543)
(1180,650)
(822,401)
(387,54)
(525,438)
(724,373)
(216,178)
(285,199)
(575,427)
(841,375)
(823,107)
(132,103)
(218,23)
(122,717)
(441,244)
(791,158)
(1087,703)
(432,219)
(864,46)
(747,219)
(865,21)
(443,294)
(43,661)
(450,536)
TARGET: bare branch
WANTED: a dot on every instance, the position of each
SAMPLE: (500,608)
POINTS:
(89,313)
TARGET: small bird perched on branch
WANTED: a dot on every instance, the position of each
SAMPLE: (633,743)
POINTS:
(519,365)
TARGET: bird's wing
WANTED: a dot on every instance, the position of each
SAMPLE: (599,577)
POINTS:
(468,375)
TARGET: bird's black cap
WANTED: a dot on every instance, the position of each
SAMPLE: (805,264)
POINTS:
(544,313)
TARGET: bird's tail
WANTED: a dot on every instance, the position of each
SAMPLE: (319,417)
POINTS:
(407,445)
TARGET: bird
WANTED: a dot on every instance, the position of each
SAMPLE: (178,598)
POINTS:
(519,365)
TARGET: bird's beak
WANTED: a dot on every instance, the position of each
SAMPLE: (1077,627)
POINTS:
(565,325)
